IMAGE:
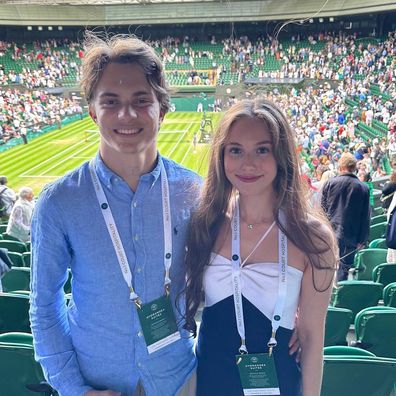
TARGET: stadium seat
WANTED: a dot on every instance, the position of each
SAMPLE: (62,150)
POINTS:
(343,351)
(17,259)
(356,295)
(378,211)
(384,273)
(378,219)
(377,231)
(14,313)
(8,237)
(13,246)
(358,376)
(16,279)
(337,326)
(375,330)
(379,243)
(20,373)
(17,338)
(365,261)
(389,295)
(3,228)
(26,258)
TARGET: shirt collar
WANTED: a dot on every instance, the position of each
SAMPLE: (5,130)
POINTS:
(106,175)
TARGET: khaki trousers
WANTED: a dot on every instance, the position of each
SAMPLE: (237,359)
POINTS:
(188,389)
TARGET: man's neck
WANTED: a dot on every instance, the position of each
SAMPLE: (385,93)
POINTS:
(130,166)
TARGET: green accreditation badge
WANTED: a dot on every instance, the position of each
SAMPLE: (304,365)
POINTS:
(258,374)
(158,324)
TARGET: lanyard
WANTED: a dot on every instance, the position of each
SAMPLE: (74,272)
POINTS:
(236,280)
(115,236)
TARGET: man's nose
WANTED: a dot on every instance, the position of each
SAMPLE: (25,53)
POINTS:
(127,112)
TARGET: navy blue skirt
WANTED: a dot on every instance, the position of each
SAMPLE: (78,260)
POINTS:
(219,341)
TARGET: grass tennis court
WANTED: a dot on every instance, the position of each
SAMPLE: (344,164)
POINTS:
(50,156)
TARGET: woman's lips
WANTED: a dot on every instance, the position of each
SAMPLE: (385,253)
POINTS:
(247,179)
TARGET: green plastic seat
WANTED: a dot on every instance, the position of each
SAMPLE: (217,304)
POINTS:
(377,231)
(357,295)
(17,338)
(14,313)
(384,273)
(337,326)
(365,261)
(3,228)
(343,351)
(7,237)
(20,372)
(26,259)
(16,279)
(358,376)
(379,243)
(389,295)
(13,246)
(378,219)
(375,330)
(17,259)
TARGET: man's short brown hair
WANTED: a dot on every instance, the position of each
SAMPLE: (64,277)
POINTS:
(347,162)
(99,52)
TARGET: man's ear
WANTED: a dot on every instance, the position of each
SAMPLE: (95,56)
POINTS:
(92,114)
(162,116)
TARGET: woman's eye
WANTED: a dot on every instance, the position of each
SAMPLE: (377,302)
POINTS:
(235,150)
(263,150)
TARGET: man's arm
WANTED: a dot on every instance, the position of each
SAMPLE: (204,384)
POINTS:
(365,218)
(48,315)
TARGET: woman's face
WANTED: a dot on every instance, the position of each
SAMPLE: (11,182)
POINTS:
(249,163)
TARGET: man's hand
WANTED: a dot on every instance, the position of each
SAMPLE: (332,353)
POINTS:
(294,345)
(102,393)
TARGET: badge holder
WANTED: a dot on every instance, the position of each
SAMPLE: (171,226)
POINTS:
(158,322)
(257,372)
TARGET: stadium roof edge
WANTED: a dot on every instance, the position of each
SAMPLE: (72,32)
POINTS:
(153,12)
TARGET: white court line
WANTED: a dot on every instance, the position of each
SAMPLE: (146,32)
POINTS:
(168,132)
(177,143)
(51,158)
(185,155)
(180,122)
(67,158)
(44,177)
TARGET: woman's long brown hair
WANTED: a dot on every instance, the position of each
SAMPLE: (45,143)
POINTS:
(302,226)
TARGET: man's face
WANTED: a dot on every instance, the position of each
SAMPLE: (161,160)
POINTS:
(127,112)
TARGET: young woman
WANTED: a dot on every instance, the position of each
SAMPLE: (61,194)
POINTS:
(252,224)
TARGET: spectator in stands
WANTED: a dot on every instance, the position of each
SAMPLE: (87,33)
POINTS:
(104,343)
(21,215)
(8,197)
(346,202)
(388,191)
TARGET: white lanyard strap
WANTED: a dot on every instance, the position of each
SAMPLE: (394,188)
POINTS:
(166,215)
(115,236)
(236,279)
(282,290)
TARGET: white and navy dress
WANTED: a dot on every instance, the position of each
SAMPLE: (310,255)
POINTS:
(219,341)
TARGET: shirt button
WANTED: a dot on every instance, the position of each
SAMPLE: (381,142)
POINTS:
(136,237)
(139,333)
(139,364)
(135,204)
(139,270)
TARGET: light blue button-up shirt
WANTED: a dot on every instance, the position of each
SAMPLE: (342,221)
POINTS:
(96,342)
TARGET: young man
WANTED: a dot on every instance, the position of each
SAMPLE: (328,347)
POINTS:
(119,223)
